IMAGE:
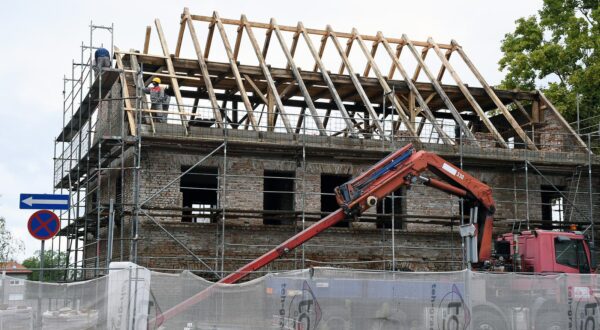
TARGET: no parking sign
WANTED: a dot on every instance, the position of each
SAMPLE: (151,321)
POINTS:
(43,225)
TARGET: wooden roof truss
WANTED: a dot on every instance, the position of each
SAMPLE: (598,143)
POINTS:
(277,98)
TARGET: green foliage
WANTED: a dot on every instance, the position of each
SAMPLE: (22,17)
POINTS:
(52,259)
(556,51)
(9,245)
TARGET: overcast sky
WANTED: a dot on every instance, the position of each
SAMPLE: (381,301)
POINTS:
(40,39)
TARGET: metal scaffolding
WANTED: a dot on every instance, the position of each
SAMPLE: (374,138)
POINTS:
(224,110)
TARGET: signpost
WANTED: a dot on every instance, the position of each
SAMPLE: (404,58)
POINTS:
(43,225)
(44,202)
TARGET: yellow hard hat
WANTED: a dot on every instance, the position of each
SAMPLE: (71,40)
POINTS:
(156,80)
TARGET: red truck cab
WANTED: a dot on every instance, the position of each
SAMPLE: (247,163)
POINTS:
(545,251)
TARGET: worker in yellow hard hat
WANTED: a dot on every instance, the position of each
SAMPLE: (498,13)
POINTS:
(159,100)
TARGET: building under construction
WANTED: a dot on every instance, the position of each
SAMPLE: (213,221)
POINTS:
(265,120)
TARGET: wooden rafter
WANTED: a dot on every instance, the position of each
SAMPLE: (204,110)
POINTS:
(373,52)
(355,81)
(415,92)
(513,123)
(446,64)
(397,56)
(203,69)
(400,108)
(420,64)
(171,69)
(562,120)
(443,67)
(182,24)
(147,39)
(267,75)
(139,84)
(236,72)
(327,79)
(299,80)
(125,92)
(457,117)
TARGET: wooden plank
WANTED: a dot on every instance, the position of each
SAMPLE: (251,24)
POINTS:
(204,70)
(373,52)
(328,82)
(236,72)
(397,56)
(147,39)
(126,95)
(267,74)
(139,84)
(180,36)
(482,116)
(415,91)
(443,68)
(171,70)
(288,28)
(436,84)
(355,82)
(513,123)
(562,120)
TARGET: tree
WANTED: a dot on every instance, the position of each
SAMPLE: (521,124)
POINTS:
(9,245)
(557,51)
(52,259)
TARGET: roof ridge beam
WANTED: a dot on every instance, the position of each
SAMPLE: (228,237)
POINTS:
(288,28)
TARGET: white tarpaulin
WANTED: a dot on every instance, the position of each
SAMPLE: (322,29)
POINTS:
(320,298)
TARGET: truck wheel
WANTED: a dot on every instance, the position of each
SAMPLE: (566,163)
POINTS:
(487,320)
(549,321)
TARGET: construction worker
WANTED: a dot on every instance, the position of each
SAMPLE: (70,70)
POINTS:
(158,98)
(101,59)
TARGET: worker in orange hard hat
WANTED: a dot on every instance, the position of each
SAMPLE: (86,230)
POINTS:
(159,99)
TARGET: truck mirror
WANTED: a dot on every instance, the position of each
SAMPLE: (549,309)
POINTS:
(593,260)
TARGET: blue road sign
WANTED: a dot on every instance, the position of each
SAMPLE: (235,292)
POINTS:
(44,202)
(43,224)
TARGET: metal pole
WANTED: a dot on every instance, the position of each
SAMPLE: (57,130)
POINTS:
(577,99)
(42,261)
(393,196)
(526,190)
(111,228)
(591,195)
(224,198)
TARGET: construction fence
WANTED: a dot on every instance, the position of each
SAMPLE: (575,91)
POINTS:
(132,297)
